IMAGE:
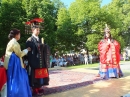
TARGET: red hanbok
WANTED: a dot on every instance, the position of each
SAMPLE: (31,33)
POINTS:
(109,59)
(3,79)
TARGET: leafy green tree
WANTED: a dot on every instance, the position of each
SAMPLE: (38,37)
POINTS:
(65,35)
(10,17)
(14,14)
(85,16)
(90,19)
(79,26)
(47,10)
(57,5)
(119,10)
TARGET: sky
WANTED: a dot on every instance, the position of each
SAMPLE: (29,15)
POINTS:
(68,2)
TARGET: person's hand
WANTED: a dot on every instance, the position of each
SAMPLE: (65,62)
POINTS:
(24,65)
(29,49)
(109,41)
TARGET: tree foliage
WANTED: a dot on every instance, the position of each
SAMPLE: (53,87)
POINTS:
(10,17)
(79,26)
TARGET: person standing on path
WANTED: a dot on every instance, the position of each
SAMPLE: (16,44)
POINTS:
(86,59)
(109,50)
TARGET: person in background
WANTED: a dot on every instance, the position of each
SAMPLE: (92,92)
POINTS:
(53,61)
(124,56)
(61,61)
(64,61)
(51,58)
(1,63)
(57,61)
(86,59)
(90,58)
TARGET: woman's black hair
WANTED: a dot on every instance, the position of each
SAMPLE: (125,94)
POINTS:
(13,33)
(105,35)
(112,40)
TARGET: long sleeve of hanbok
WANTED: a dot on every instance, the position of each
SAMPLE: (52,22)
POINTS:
(14,47)
(117,51)
(109,52)
(18,52)
(103,49)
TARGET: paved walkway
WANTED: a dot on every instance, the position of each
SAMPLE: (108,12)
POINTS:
(109,88)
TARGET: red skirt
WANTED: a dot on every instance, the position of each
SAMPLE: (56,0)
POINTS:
(3,77)
(41,73)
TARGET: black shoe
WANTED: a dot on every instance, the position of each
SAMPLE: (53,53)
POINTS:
(40,92)
(34,94)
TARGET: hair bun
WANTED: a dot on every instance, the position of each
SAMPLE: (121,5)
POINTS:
(13,33)
(10,36)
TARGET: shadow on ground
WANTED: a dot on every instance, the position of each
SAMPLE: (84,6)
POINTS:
(108,88)
(64,80)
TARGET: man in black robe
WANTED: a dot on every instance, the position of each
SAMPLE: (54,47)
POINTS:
(38,61)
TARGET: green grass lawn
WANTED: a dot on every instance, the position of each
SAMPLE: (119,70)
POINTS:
(89,65)
(83,66)
(124,61)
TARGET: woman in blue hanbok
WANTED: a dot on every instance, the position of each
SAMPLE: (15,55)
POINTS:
(17,79)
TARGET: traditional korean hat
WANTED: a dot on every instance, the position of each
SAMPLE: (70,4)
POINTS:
(106,28)
(34,23)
